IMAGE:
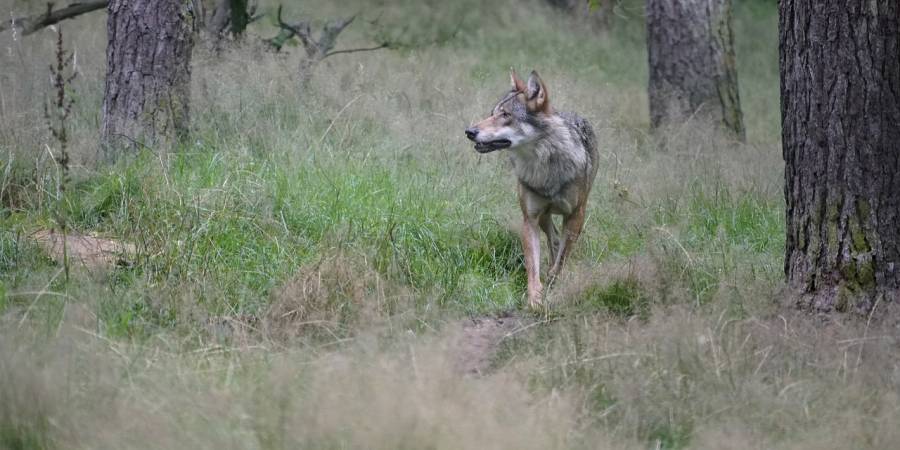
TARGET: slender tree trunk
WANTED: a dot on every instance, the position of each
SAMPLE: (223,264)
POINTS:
(219,18)
(840,106)
(229,16)
(239,17)
(692,64)
(148,75)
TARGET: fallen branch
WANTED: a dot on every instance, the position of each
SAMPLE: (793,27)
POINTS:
(354,50)
(29,25)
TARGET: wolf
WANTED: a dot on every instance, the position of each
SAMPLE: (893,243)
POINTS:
(554,156)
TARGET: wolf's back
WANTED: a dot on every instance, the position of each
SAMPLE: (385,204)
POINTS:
(582,128)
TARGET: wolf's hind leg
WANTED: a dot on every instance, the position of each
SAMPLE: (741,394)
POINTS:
(572,225)
(549,228)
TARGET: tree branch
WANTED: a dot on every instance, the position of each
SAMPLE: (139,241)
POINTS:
(300,29)
(330,33)
(29,25)
(354,50)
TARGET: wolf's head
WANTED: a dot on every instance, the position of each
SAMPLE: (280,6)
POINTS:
(515,119)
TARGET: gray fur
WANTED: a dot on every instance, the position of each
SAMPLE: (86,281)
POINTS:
(548,151)
(555,160)
(565,151)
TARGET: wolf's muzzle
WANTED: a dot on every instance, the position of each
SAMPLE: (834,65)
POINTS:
(471,133)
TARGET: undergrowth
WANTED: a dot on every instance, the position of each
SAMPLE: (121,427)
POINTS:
(300,265)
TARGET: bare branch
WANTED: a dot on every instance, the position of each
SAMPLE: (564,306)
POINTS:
(330,33)
(299,29)
(354,50)
(29,25)
(316,49)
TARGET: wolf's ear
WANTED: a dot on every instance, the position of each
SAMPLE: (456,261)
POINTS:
(517,84)
(536,93)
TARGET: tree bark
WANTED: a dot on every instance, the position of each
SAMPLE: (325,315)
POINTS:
(148,75)
(840,106)
(692,63)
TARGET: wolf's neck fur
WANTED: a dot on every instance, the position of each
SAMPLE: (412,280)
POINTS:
(550,162)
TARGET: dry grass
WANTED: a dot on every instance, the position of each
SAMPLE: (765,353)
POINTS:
(90,393)
(331,298)
(683,378)
(679,378)
(302,265)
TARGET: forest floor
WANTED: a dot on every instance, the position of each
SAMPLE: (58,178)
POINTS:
(335,267)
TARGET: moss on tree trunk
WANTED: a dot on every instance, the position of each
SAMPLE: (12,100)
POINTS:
(840,87)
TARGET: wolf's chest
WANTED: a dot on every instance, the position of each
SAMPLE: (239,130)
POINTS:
(548,170)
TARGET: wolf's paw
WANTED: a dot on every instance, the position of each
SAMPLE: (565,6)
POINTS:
(535,298)
(537,303)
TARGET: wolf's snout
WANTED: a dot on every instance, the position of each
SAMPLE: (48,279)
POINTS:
(471,133)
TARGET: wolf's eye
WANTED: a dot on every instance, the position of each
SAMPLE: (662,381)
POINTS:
(504,114)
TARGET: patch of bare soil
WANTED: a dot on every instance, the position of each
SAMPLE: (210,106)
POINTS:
(479,340)
(90,251)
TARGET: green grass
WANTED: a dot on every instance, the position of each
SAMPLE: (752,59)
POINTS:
(304,261)
(622,298)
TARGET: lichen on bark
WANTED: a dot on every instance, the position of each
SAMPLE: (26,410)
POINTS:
(840,85)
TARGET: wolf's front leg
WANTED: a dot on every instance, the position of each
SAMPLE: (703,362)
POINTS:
(531,246)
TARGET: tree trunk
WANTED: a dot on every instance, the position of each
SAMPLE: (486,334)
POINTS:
(840,106)
(148,74)
(692,64)
(229,15)
(219,18)
(239,17)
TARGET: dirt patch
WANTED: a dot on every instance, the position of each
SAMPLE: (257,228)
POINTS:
(479,339)
(90,251)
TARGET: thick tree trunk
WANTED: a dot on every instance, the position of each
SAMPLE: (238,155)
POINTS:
(692,64)
(840,106)
(148,74)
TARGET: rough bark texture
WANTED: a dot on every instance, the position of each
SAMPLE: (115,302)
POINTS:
(148,74)
(692,64)
(840,90)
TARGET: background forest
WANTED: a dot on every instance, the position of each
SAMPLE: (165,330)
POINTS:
(322,261)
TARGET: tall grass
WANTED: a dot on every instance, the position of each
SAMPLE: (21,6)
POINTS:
(302,264)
